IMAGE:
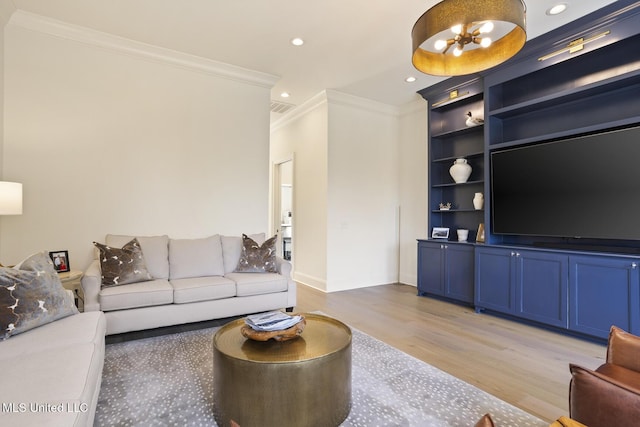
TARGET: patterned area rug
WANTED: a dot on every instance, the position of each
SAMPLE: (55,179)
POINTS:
(167,381)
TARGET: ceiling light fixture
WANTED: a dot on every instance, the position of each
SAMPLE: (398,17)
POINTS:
(557,9)
(457,37)
(297,41)
(410,79)
(285,95)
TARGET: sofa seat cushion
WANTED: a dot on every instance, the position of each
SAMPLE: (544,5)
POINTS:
(57,364)
(134,295)
(79,328)
(257,283)
(54,375)
(202,289)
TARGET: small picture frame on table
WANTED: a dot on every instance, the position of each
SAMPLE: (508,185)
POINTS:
(440,233)
(480,235)
(60,260)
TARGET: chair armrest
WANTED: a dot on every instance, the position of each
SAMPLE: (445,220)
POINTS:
(623,349)
(284,266)
(91,283)
(598,400)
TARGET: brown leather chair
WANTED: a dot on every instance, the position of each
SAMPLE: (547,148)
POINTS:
(610,395)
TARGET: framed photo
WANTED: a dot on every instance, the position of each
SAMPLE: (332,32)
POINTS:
(440,233)
(480,235)
(60,260)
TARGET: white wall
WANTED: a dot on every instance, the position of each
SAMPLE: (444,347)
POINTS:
(305,135)
(346,190)
(6,10)
(362,222)
(413,186)
(107,140)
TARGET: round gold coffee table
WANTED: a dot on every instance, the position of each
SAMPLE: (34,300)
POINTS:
(302,382)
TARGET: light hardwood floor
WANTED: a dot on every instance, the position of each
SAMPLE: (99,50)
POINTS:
(524,365)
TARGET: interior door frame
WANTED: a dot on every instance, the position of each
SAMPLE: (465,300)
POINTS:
(276,201)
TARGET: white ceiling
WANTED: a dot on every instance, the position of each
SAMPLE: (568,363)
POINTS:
(360,47)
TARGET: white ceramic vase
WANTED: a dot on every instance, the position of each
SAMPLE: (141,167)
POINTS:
(478,201)
(460,170)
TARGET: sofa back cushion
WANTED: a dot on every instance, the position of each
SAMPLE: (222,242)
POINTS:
(155,250)
(195,257)
(232,249)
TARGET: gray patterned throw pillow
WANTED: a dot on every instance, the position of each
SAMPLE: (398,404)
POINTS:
(121,266)
(32,295)
(256,258)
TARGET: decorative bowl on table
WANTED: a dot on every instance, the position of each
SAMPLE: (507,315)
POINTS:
(284,334)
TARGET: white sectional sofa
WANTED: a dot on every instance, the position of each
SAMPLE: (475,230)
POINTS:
(192,280)
(53,373)
(52,355)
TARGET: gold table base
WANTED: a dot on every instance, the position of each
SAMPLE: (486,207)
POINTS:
(301,382)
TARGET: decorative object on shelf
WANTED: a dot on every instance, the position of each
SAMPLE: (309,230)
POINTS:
(478,201)
(454,37)
(473,121)
(60,260)
(460,171)
(440,233)
(445,207)
(480,235)
(463,235)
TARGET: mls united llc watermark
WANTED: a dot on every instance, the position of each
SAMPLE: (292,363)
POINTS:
(34,407)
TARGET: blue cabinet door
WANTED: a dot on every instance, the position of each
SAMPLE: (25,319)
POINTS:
(542,287)
(459,272)
(603,291)
(430,268)
(494,279)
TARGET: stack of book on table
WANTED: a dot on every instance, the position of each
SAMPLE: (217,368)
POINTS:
(272,321)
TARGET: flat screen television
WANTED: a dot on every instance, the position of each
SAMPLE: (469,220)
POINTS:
(580,187)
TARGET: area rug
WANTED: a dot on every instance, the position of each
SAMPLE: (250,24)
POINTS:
(167,381)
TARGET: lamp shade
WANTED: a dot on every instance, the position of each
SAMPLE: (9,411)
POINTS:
(467,20)
(10,198)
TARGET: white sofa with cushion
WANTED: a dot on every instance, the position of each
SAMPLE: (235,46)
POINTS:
(189,280)
(52,355)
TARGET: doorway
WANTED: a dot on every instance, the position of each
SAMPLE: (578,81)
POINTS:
(283,207)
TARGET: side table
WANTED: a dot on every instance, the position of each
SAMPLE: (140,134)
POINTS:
(71,280)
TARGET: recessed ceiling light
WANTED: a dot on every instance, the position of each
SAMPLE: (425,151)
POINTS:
(297,41)
(410,79)
(557,9)
(285,94)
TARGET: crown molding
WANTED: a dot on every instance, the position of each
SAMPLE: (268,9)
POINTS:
(345,99)
(6,10)
(417,105)
(334,97)
(311,104)
(55,28)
